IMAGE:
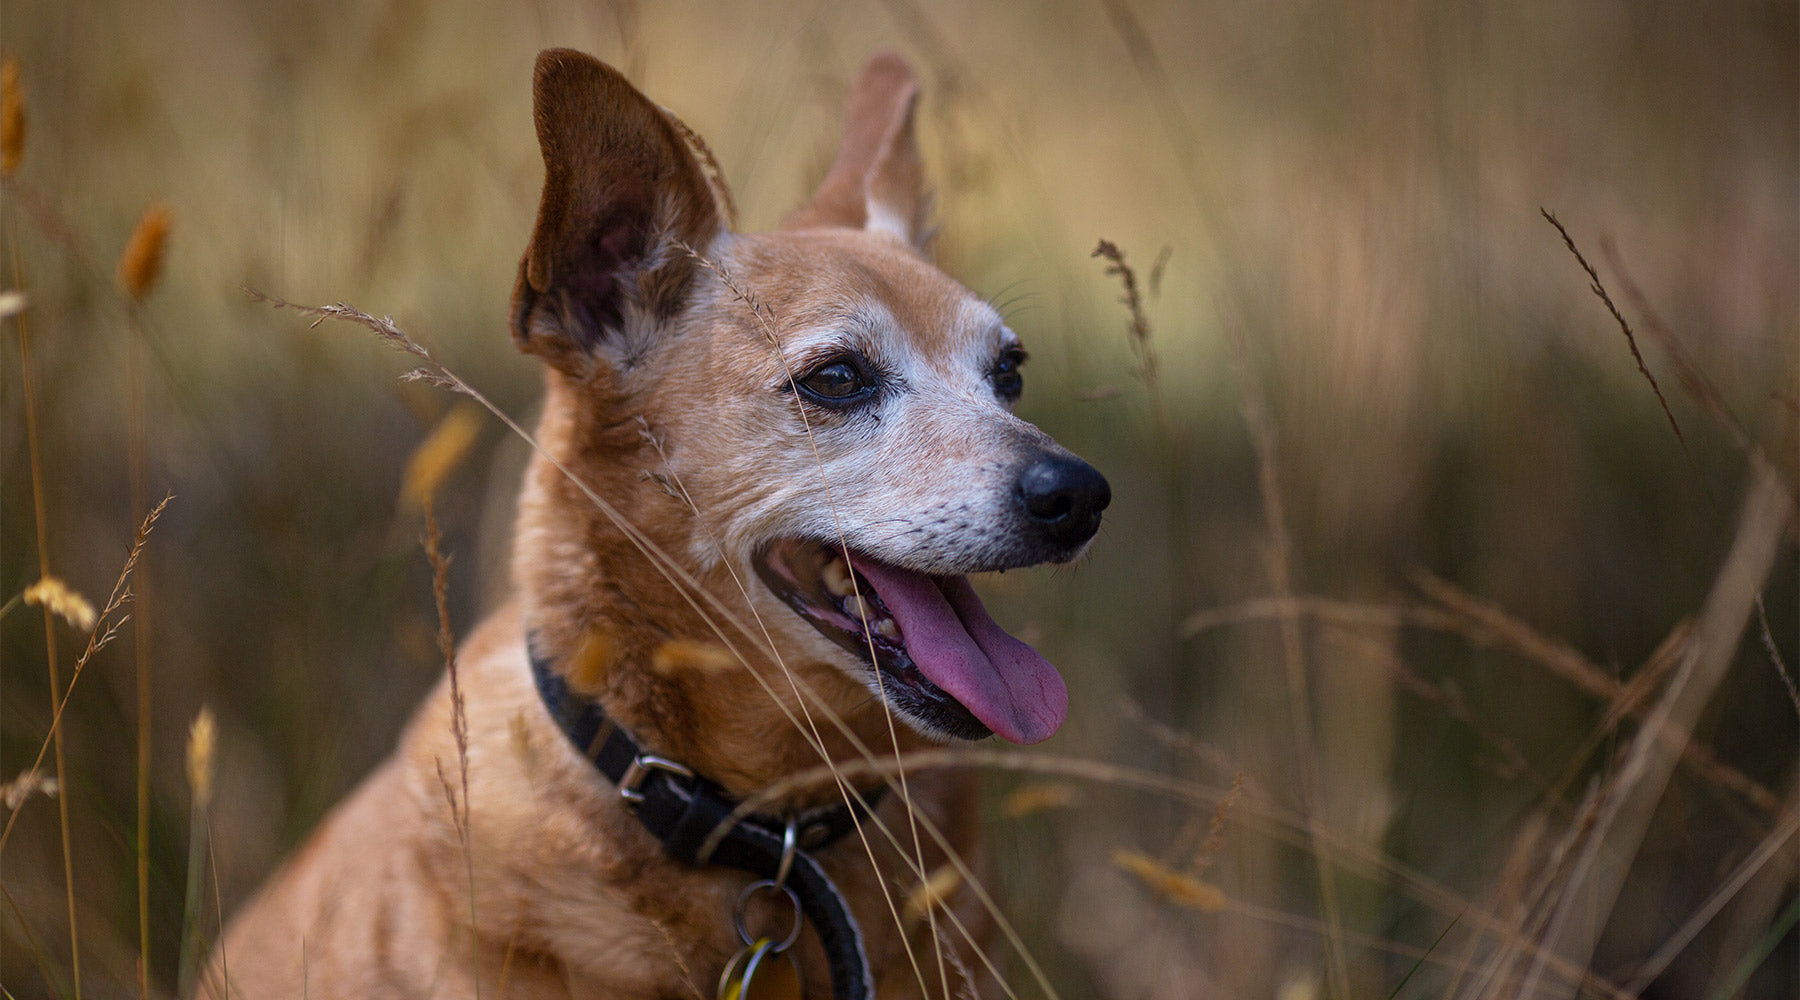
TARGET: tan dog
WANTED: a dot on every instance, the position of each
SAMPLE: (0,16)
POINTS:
(810,432)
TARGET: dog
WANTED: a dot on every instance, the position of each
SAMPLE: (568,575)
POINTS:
(766,463)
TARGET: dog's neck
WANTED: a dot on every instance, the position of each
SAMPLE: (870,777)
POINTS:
(678,668)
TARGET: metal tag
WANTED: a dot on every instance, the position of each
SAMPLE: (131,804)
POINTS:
(760,972)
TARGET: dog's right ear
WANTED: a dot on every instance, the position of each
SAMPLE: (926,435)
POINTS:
(622,196)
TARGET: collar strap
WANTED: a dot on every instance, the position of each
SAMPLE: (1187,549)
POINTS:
(691,816)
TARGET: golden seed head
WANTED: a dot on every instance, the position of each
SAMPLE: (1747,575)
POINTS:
(439,454)
(1036,798)
(1177,887)
(593,661)
(141,263)
(12,118)
(63,602)
(201,737)
(933,893)
(684,655)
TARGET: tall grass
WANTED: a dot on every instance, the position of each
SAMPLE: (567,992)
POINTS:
(1407,663)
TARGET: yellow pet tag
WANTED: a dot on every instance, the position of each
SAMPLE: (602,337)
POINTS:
(760,972)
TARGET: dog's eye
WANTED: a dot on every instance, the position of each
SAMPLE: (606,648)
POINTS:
(1008,380)
(836,383)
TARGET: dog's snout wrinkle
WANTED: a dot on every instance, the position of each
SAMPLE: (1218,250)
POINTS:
(1063,496)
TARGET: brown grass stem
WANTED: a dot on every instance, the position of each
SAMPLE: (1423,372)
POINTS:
(40,955)
(1176,126)
(1688,374)
(1599,290)
(1139,324)
(137,448)
(1253,812)
(459,719)
(106,627)
(1584,675)
(1278,563)
(1702,390)
(41,517)
(1676,943)
(1607,849)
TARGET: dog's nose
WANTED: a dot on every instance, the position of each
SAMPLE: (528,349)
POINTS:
(1064,496)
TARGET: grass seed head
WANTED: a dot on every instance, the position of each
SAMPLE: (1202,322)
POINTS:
(12,118)
(1036,798)
(1176,887)
(589,667)
(201,738)
(439,455)
(685,655)
(142,262)
(14,793)
(63,601)
(932,893)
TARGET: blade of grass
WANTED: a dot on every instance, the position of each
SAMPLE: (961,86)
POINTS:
(1279,565)
(1747,966)
(1576,915)
(1421,960)
(459,720)
(1727,891)
(28,382)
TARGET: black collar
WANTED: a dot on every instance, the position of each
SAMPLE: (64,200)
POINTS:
(692,817)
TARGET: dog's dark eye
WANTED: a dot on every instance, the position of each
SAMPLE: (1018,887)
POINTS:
(1008,380)
(837,383)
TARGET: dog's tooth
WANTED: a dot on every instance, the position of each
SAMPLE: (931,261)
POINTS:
(887,629)
(837,578)
(859,608)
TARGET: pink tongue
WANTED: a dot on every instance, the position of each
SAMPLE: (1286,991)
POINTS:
(954,643)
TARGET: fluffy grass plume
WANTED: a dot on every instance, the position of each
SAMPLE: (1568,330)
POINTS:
(63,601)
(34,782)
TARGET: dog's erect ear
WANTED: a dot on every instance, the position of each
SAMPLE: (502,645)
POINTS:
(622,193)
(877,180)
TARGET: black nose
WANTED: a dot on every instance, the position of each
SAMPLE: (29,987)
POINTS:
(1063,496)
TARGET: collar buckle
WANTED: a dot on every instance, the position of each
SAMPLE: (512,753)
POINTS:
(632,781)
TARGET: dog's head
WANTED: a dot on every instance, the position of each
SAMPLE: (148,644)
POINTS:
(816,415)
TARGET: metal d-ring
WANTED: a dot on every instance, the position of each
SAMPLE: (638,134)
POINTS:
(744,898)
(790,845)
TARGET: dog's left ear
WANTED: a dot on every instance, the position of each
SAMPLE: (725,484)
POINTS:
(877,181)
(623,200)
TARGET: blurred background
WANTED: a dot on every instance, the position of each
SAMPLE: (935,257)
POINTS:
(1403,550)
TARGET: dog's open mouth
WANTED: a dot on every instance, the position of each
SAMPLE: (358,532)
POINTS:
(942,660)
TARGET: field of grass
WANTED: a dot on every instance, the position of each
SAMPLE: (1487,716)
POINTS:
(1416,584)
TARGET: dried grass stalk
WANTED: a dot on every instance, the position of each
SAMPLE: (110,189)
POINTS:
(1604,857)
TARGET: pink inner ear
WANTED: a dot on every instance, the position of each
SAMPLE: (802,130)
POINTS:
(617,242)
(588,276)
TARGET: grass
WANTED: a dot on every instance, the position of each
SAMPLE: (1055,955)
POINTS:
(1405,550)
